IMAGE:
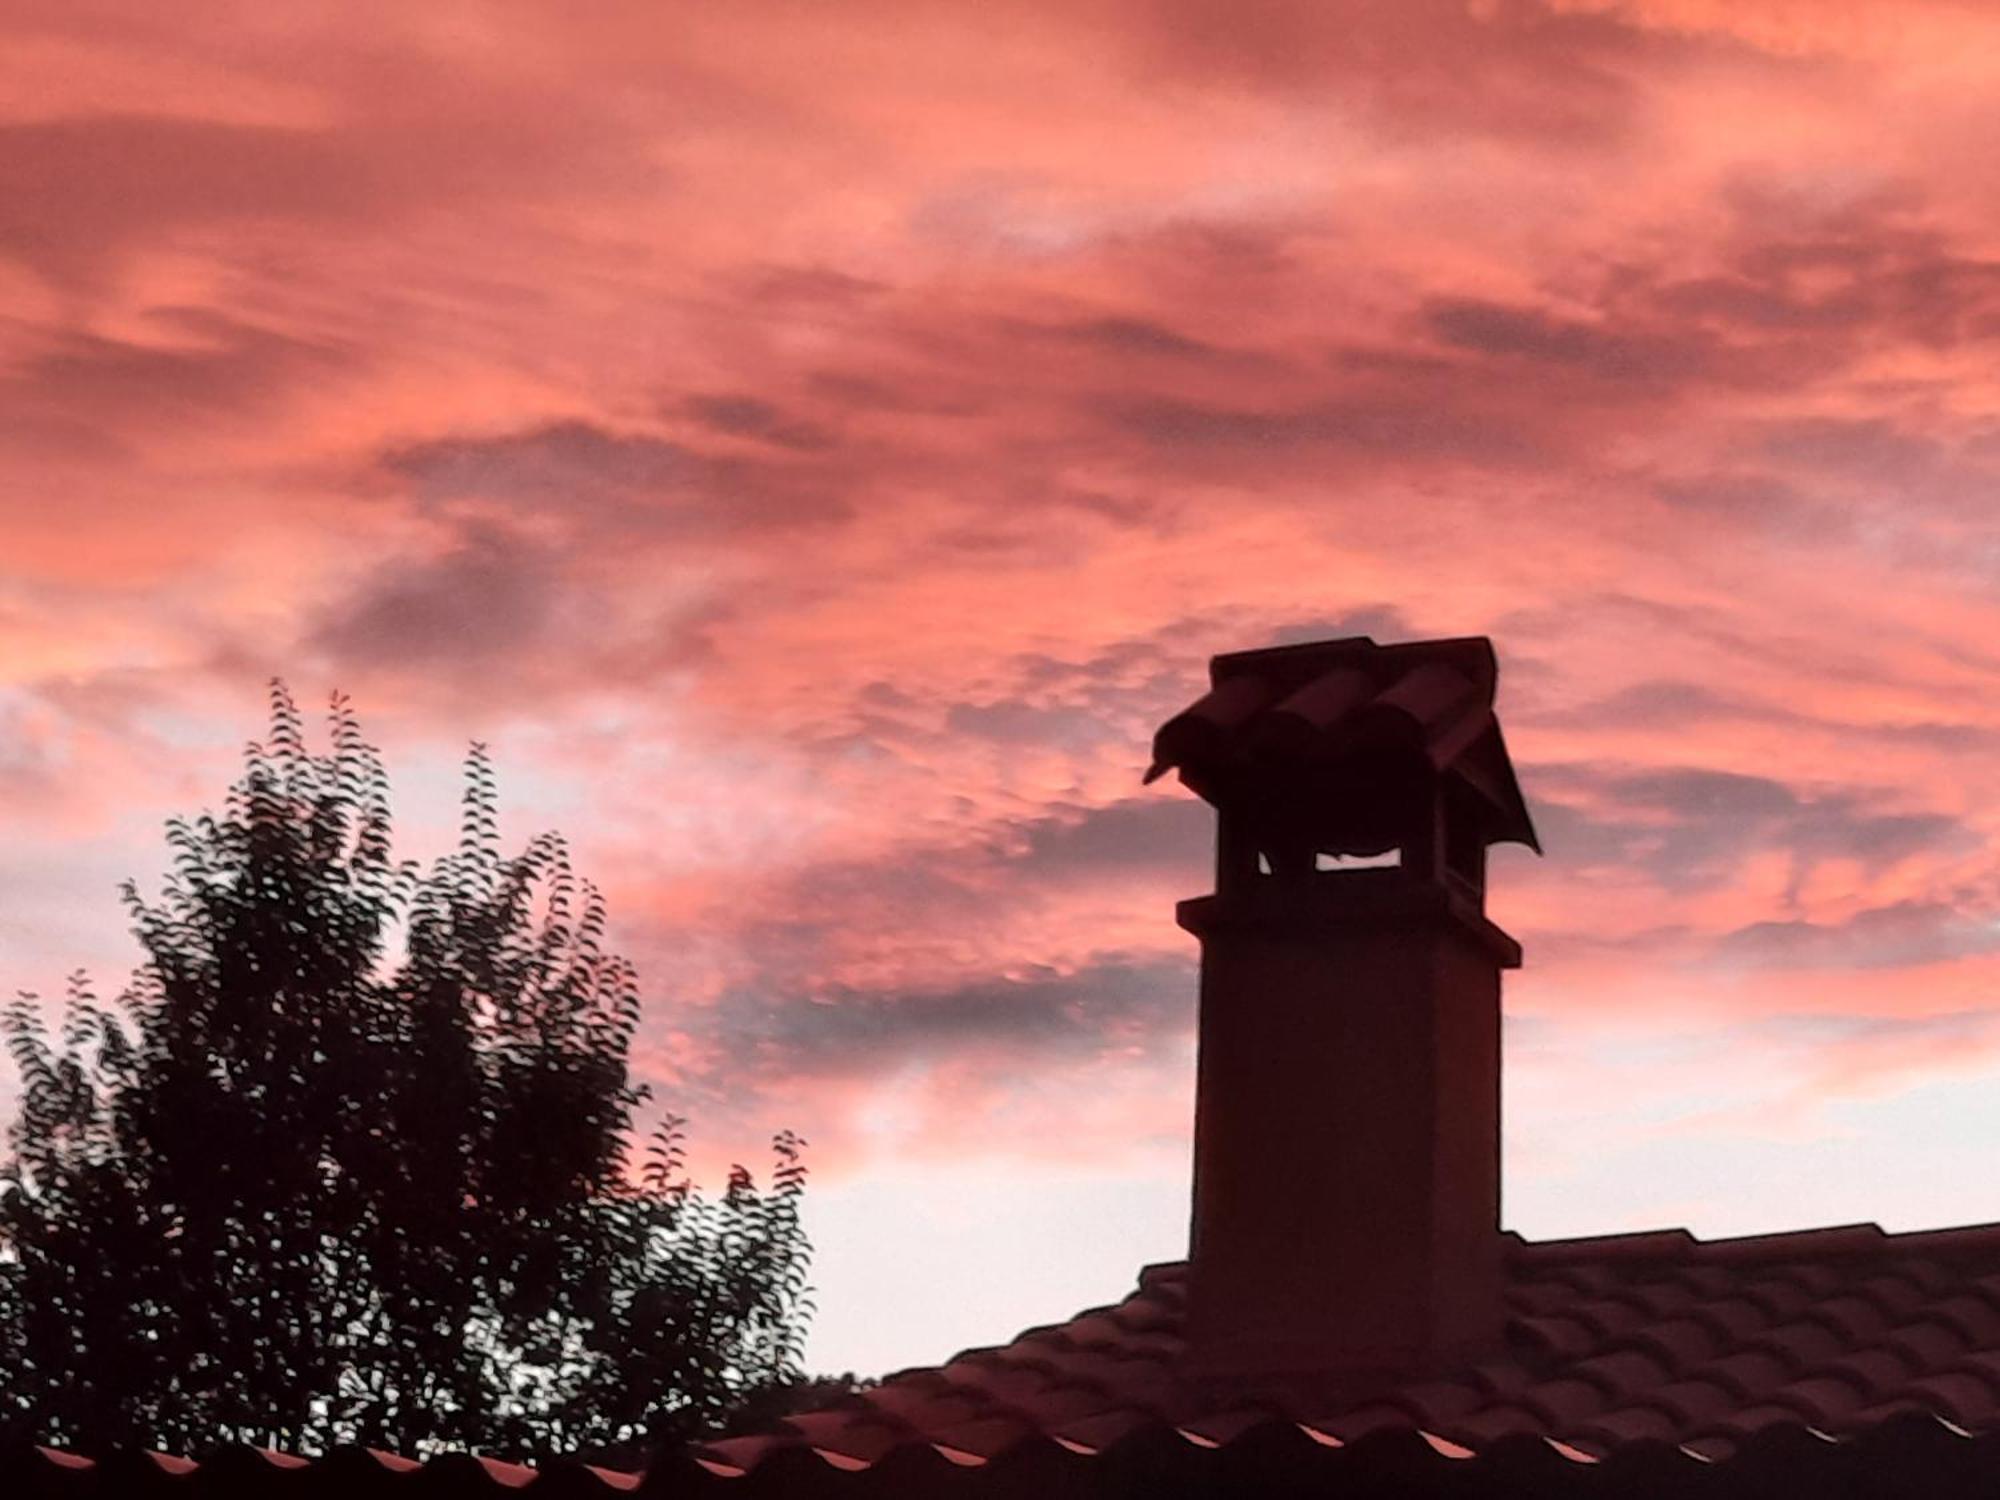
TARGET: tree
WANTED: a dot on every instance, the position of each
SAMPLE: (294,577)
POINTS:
(351,1159)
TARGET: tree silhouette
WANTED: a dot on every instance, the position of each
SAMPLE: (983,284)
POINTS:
(351,1158)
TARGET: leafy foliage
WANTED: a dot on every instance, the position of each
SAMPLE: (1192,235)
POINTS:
(351,1159)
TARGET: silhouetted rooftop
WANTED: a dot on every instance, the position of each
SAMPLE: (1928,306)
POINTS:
(1795,1363)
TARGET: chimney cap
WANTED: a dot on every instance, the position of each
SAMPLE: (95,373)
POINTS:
(1313,712)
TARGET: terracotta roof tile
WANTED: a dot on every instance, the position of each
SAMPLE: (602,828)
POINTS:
(1058,1406)
(1822,1400)
(1630,1424)
(1750,1374)
(1854,1318)
(1381,1416)
(922,1408)
(1093,1434)
(1630,1339)
(1929,1345)
(1811,1249)
(1501,1378)
(1591,1278)
(1926,1270)
(981,1437)
(1731,1319)
(998,1379)
(1623,1372)
(1492,1423)
(1970,1315)
(1871,1417)
(1657,1245)
(1433,1402)
(739,1455)
(1707,1281)
(1533,1298)
(1896,1295)
(1984,1363)
(1563,1402)
(1749,1420)
(1801,1345)
(1096,1330)
(1694,1403)
(1607,1317)
(1966,1397)
(1554,1337)
(1875,1372)
(1679,1345)
(1813,1280)
(1662,1299)
(1988,1286)
(1655,1353)
(1781,1297)
(838,1433)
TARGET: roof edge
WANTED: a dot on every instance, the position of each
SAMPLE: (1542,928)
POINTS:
(1864,1238)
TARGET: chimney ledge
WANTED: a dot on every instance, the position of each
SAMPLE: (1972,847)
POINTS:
(1350,900)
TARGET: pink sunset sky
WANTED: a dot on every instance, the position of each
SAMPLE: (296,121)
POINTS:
(815,445)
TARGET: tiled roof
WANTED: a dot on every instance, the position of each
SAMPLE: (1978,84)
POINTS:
(1826,1362)
(1680,1349)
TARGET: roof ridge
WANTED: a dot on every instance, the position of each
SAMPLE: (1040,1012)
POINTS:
(1858,1238)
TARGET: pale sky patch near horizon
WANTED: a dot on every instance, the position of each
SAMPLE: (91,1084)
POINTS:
(816,445)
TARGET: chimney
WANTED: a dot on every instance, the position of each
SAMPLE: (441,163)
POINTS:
(1346,1222)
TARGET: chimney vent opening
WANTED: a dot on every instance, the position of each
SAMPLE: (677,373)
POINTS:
(1389,859)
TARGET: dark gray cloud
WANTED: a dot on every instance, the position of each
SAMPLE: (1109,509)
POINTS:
(1796,294)
(487,599)
(1872,267)
(1696,793)
(558,462)
(652,489)
(1071,1015)
(814,288)
(1663,702)
(1407,425)
(1887,937)
(207,368)
(891,392)
(1868,450)
(1132,686)
(1774,509)
(1054,727)
(1143,336)
(972,887)
(1736,494)
(80,190)
(1677,705)
(752,417)
(1686,826)
(73,190)
(1599,351)
(1169,833)
(1431,68)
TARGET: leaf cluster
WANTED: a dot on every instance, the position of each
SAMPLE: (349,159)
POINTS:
(352,1158)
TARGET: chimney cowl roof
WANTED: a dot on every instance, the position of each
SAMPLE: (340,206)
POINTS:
(1307,716)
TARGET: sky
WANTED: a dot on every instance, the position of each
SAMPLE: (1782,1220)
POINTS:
(815,445)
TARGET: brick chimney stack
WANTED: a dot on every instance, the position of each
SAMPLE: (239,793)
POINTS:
(1347,1115)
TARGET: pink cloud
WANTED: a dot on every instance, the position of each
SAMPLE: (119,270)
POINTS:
(816,446)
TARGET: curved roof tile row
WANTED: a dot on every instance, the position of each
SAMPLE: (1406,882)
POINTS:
(1612,1341)
(1911,1455)
(1633,1364)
